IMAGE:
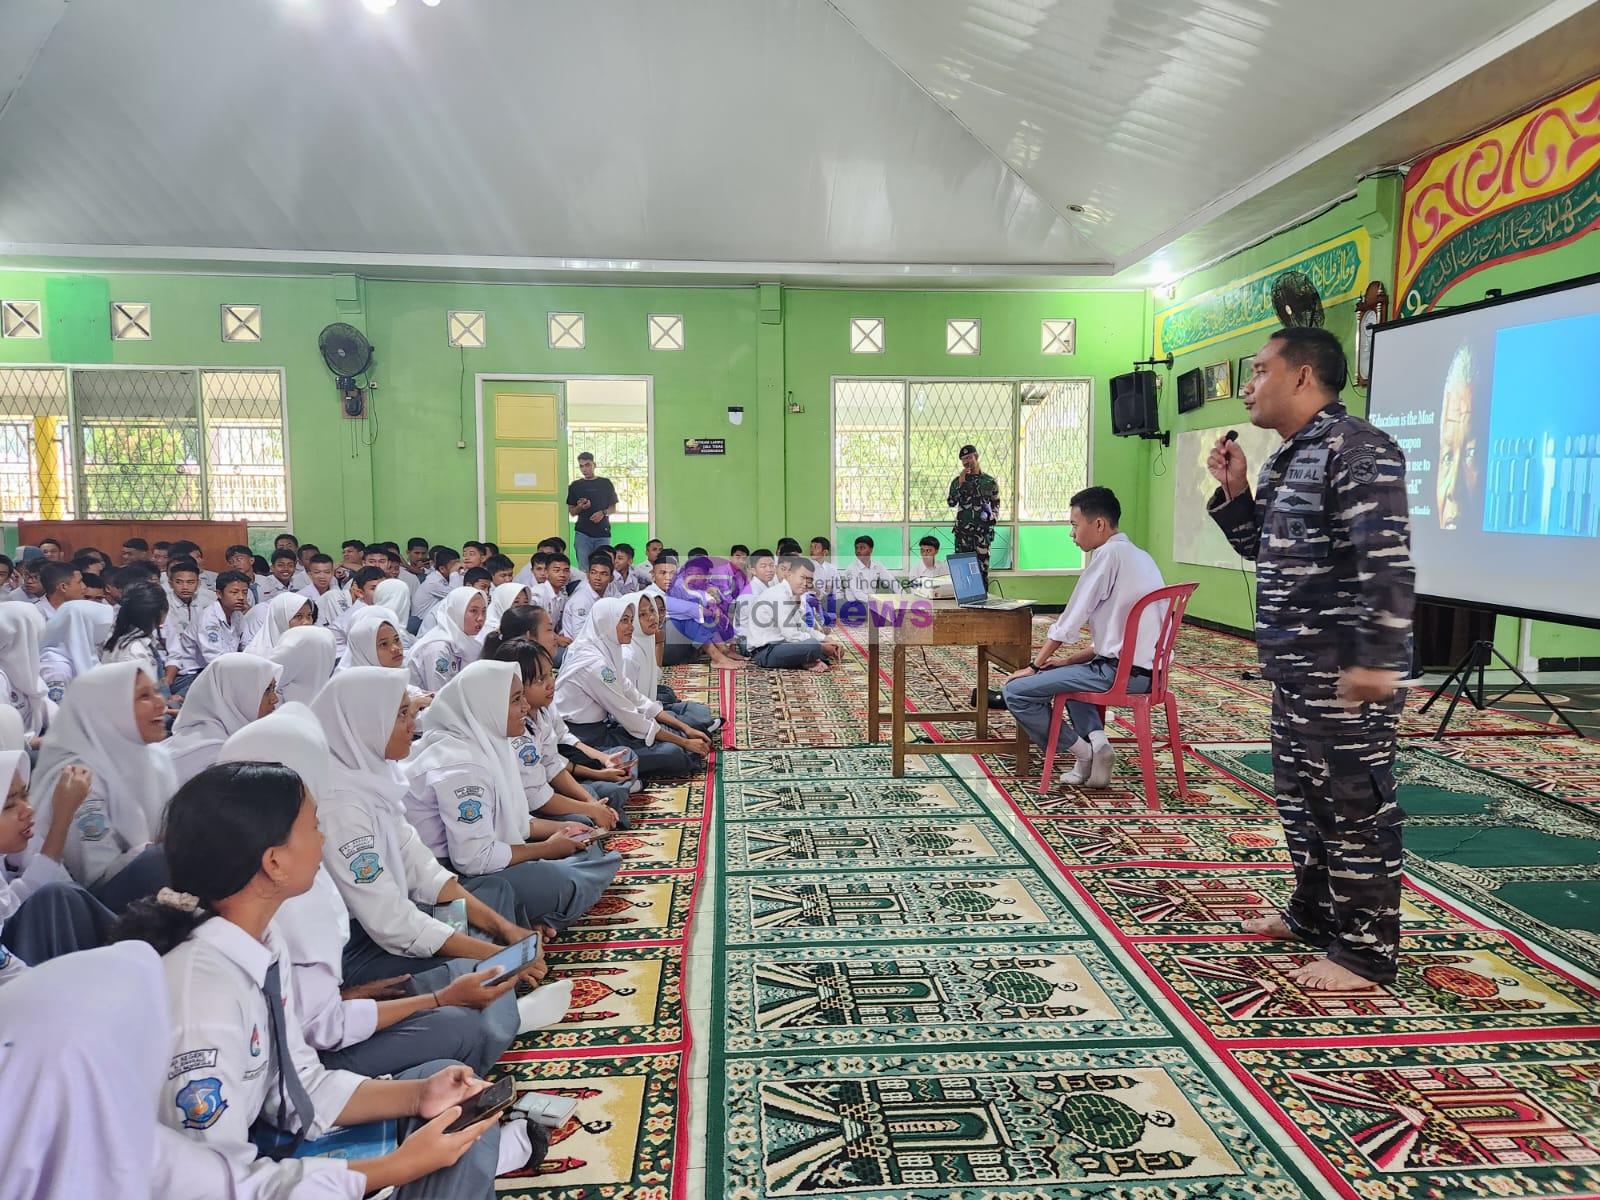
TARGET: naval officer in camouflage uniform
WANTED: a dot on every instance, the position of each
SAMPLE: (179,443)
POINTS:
(976,499)
(1329,530)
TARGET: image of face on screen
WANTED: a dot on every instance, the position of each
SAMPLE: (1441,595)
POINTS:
(1458,474)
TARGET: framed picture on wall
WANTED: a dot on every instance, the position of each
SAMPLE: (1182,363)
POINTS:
(1245,369)
(1219,381)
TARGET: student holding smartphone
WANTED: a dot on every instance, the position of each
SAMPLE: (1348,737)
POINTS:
(242,838)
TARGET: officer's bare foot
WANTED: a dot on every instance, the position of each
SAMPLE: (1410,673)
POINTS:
(1271,925)
(1325,975)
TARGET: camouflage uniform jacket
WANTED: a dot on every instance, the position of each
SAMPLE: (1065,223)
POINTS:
(976,499)
(1330,533)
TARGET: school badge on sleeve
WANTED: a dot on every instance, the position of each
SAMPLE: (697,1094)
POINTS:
(607,675)
(202,1103)
(528,755)
(366,866)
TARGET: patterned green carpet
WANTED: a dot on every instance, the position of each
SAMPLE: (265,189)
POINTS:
(906,1006)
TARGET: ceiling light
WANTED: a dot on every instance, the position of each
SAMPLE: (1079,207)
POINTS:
(378,6)
(431,3)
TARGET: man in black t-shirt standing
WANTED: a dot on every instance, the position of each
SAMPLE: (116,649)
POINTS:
(590,500)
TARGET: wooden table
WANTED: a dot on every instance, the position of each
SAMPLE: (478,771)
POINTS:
(1004,636)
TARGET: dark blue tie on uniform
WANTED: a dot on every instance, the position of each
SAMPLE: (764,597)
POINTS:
(292,1095)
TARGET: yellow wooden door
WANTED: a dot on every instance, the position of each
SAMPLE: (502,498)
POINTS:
(523,453)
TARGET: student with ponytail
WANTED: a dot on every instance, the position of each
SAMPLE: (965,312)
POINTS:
(241,839)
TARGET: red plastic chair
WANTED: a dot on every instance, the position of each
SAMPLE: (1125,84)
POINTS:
(1176,598)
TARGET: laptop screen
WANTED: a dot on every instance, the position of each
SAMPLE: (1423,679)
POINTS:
(966,579)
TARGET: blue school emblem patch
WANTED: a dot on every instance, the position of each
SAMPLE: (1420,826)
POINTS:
(92,824)
(607,675)
(366,866)
(470,811)
(213,636)
(255,1041)
(201,1102)
(529,754)
(441,664)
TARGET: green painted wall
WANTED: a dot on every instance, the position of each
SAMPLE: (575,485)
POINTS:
(1223,595)
(403,472)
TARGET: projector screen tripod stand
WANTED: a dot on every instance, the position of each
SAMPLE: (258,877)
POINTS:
(1466,682)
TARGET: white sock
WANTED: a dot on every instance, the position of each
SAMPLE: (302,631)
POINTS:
(544,1006)
(516,1147)
(1098,739)
(1081,750)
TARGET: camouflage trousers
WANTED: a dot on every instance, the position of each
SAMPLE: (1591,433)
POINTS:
(1333,770)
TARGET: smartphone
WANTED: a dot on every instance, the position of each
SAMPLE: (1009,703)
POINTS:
(492,1101)
(589,837)
(512,958)
(547,1109)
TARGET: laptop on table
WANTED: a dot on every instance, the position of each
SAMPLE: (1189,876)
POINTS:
(966,580)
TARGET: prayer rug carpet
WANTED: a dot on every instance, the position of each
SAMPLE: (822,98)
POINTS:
(895,1019)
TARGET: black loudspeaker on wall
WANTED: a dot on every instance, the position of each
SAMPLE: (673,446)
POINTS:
(1191,390)
(1133,404)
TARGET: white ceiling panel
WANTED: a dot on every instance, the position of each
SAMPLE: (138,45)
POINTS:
(924,141)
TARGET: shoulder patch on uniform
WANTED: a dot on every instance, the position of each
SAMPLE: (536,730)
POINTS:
(364,842)
(366,866)
(212,635)
(528,754)
(441,664)
(470,812)
(607,675)
(92,824)
(192,1060)
(1364,467)
(55,691)
(201,1102)
(468,789)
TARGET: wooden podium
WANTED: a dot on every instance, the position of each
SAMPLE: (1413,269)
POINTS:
(1001,636)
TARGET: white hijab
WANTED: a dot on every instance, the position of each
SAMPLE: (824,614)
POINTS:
(361,640)
(306,654)
(357,712)
(19,659)
(224,699)
(12,761)
(292,736)
(95,727)
(394,595)
(281,609)
(78,632)
(501,600)
(598,637)
(640,655)
(12,735)
(87,1038)
(466,726)
(449,614)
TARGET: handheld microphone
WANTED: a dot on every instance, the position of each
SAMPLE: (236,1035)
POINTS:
(1231,436)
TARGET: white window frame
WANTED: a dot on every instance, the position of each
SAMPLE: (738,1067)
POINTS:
(75,454)
(963,337)
(665,331)
(872,333)
(466,329)
(1016,523)
(577,331)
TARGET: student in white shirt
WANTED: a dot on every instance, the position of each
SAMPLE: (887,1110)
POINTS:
(436,586)
(233,691)
(305,656)
(863,578)
(600,706)
(467,803)
(112,723)
(280,577)
(363,592)
(42,911)
(217,632)
(502,600)
(827,581)
(642,659)
(442,650)
(1118,576)
(285,611)
(20,683)
(185,607)
(71,644)
(136,634)
(557,574)
(330,598)
(927,564)
(779,635)
(382,869)
(242,839)
(623,581)
(439,1014)
(593,585)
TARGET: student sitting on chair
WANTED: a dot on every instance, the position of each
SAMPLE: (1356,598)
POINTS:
(1118,576)
(779,633)
(927,564)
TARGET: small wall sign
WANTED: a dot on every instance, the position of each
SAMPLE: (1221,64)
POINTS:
(705,446)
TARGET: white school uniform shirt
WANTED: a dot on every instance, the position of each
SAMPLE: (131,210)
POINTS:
(921,570)
(826,579)
(778,615)
(222,1074)
(555,603)
(268,586)
(340,628)
(625,584)
(177,630)
(45,608)
(429,592)
(577,608)
(378,863)
(329,605)
(216,633)
(542,595)
(539,757)
(1119,574)
(593,686)
(754,589)
(137,648)
(863,579)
